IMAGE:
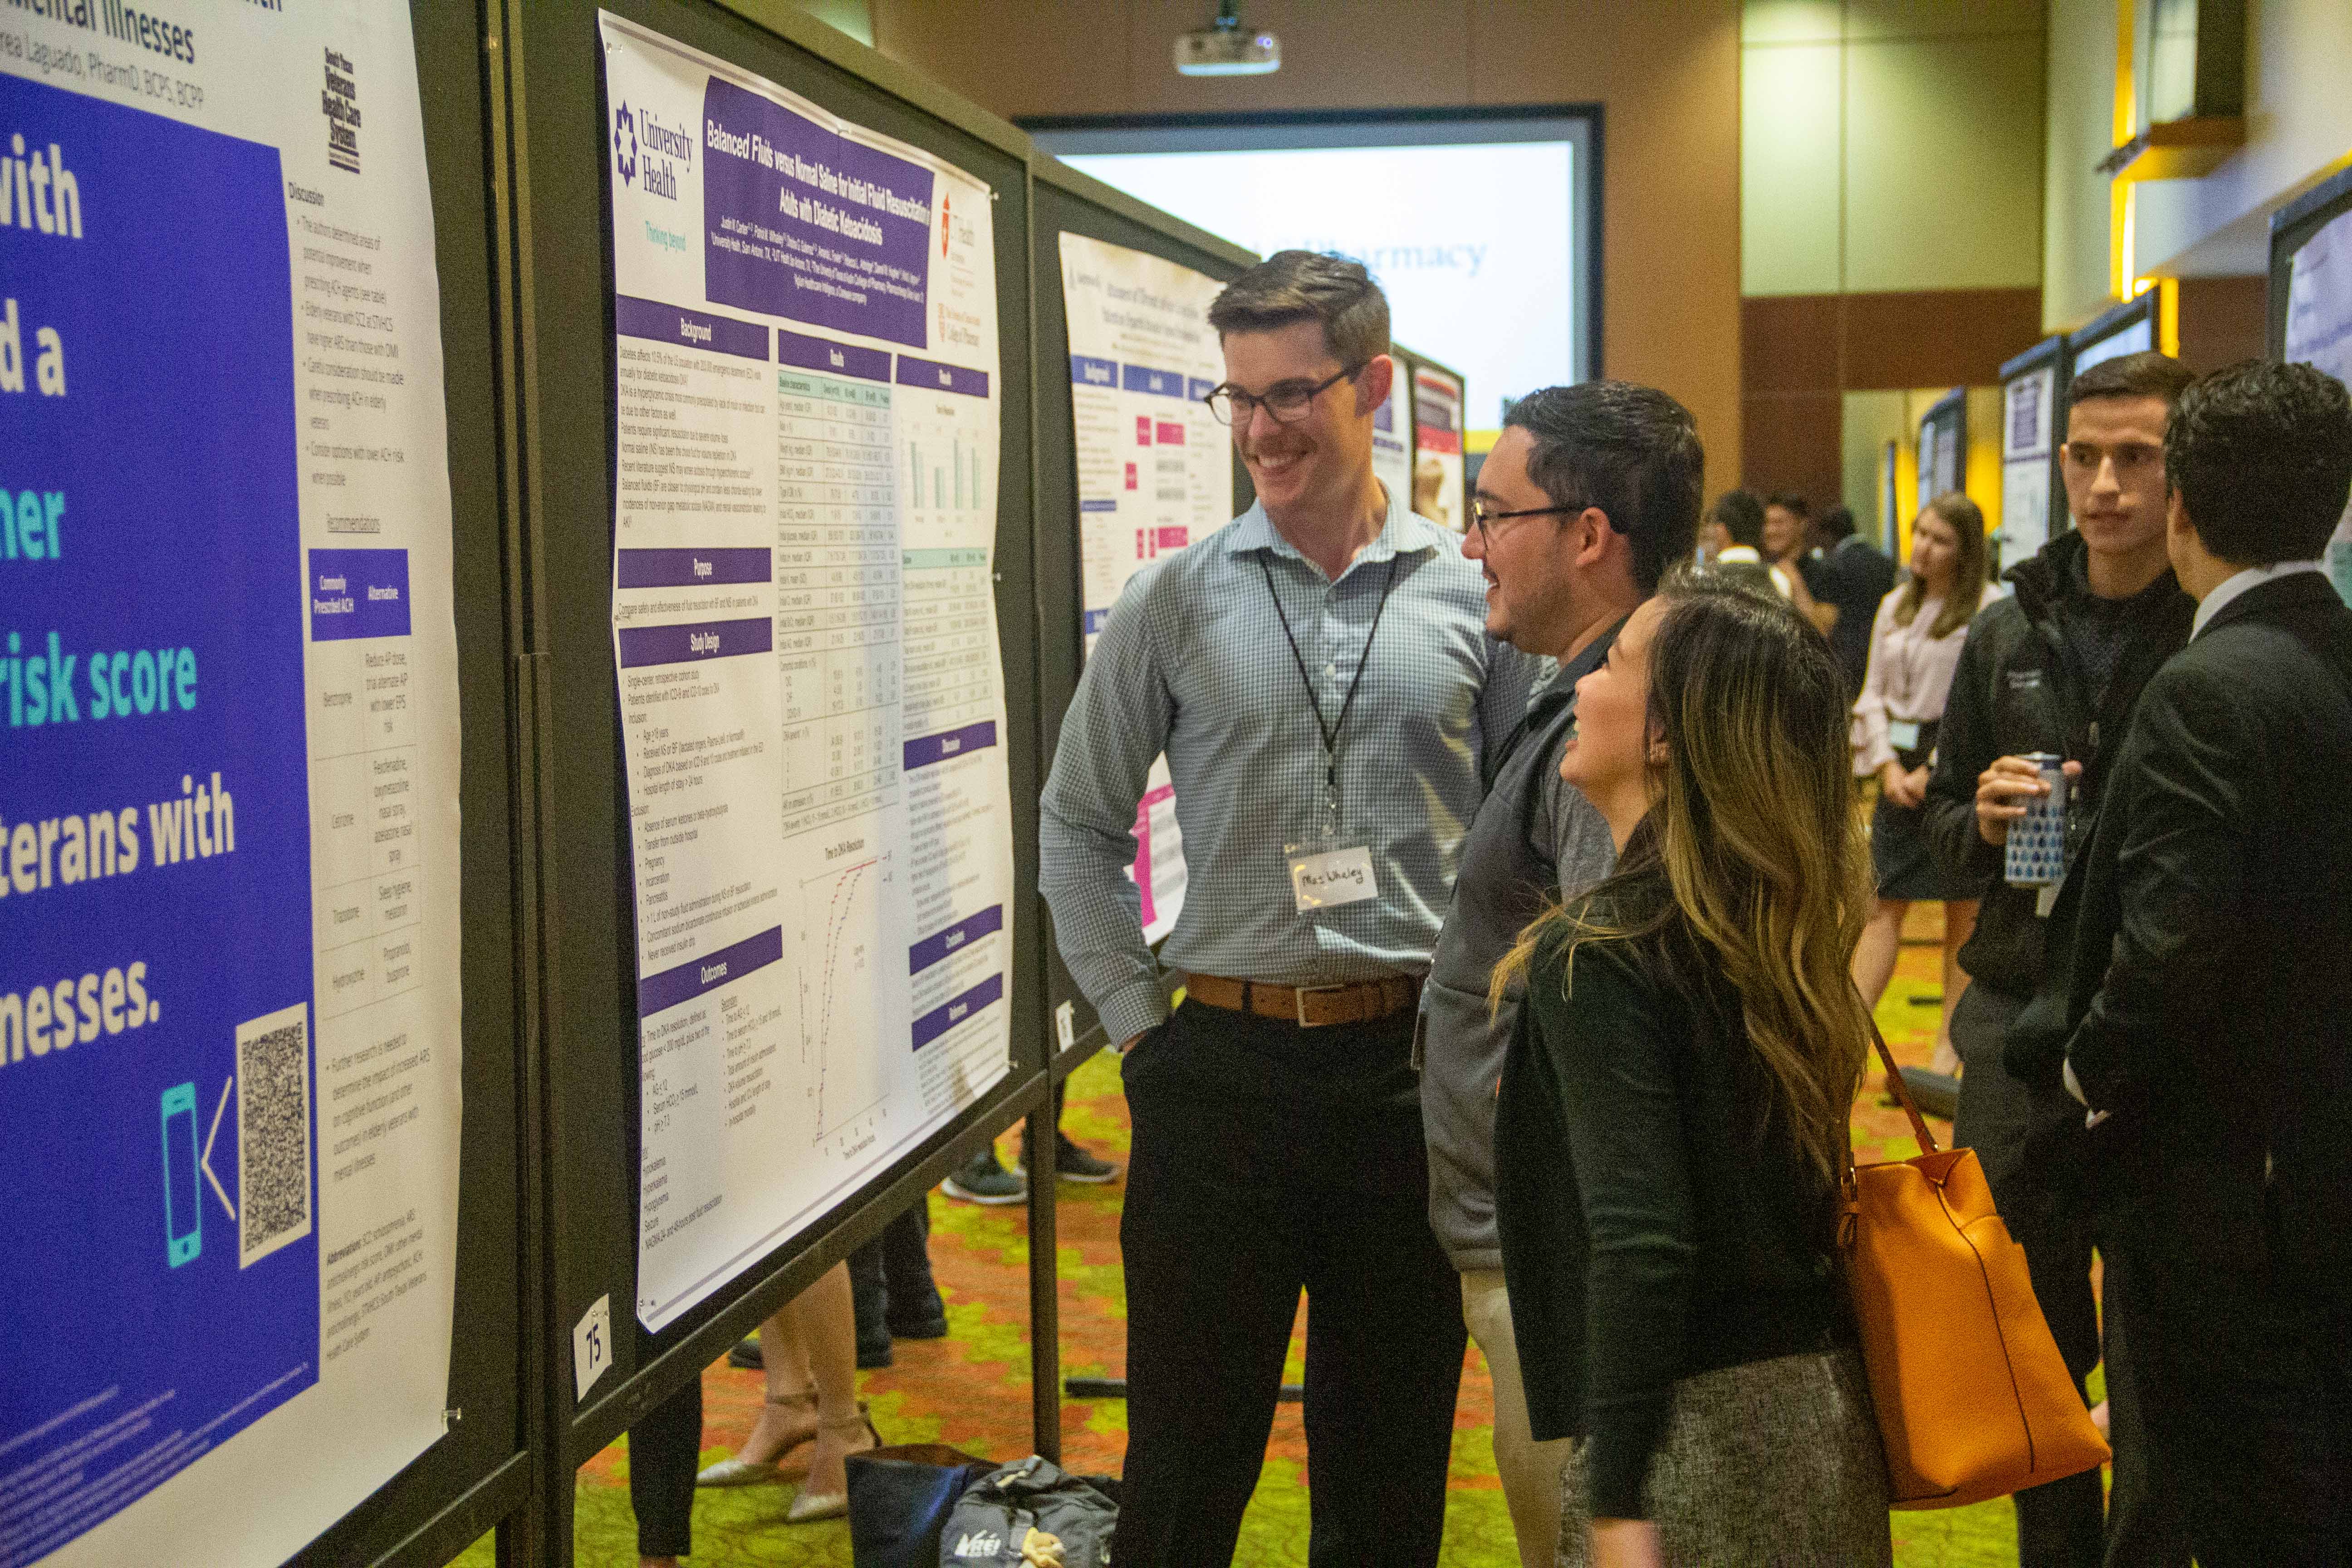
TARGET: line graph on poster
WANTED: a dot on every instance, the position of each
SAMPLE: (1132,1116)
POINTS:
(841,941)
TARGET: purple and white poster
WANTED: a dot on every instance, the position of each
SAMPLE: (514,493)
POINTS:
(804,631)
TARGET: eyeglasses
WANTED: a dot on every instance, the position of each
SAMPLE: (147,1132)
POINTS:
(1285,400)
(1480,516)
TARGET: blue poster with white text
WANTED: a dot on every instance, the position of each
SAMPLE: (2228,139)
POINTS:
(158,1180)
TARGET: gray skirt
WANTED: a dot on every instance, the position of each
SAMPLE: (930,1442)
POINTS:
(1770,1463)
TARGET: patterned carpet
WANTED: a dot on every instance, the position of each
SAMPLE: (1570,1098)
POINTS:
(971,1389)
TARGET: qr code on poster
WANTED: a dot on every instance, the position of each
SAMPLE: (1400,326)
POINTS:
(273,1133)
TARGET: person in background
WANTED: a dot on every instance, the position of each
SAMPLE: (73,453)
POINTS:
(2205,1007)
(2056,667)
(1672,1119)
(1847,579)
(809,1347)
(1788,525)
(1589,494)
(1735,532)
(1914,644)
(983,1179)
(809,1358)
(1321,678)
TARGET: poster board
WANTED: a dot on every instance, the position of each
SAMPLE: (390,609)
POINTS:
(567,142)
(2310,309)
(2127,328)
(1438,488)
(1071,203)
(803,613)
(2034,427)
(1943,446)
(318,402)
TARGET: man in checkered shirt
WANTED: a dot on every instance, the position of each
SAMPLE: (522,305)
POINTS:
(1319,677)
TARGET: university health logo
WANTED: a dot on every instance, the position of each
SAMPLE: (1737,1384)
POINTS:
(625,144)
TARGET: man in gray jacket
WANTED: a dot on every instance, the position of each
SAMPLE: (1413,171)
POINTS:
(1591,492)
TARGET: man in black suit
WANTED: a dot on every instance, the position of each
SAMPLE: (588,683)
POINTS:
(2207,1015)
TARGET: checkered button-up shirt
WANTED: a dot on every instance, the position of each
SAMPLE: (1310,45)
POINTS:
(1193,662)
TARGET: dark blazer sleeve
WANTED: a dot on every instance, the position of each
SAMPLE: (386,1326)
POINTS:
(1964,748)
(1614,1047)
(2162,945)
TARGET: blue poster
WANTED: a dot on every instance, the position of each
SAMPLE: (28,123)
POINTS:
(158,1182)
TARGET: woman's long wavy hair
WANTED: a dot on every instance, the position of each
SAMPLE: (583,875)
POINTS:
(1752,817)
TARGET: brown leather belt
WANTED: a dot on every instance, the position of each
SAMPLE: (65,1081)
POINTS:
(1309,1007)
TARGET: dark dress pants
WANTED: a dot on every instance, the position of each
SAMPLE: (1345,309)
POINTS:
(890,1280)
(1268,1159)
(2244,1373)
(664,1451)
(2031,1148)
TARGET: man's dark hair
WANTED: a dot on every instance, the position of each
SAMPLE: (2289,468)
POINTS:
(1632,451)
(1790,500)
(1835,523)
(1292,286)
(2141,374)
(2262,456)
(1742,516)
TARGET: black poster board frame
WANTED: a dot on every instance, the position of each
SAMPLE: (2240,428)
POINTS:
(1066,200)
(2052,354)
(2122,317)
(554,170)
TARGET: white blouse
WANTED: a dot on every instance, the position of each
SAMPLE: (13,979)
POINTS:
(1910,676)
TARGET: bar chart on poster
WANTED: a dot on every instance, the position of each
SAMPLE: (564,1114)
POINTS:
(805,632)
(1154,470)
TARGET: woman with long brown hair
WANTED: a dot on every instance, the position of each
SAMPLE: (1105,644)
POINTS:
(1915,646)
(1672,1119)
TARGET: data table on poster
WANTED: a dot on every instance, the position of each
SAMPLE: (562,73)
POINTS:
(837,591)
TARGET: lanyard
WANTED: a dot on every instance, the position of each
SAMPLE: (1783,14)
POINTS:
(1330,732)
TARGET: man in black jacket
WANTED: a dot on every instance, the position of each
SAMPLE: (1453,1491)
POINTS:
(2056,667)
(2206,1005)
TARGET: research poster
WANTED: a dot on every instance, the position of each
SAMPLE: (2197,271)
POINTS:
(804,633)
(1437,470)
(1155,470)
(1392,433)
(229,1010)
(2319,330)
(2026,412)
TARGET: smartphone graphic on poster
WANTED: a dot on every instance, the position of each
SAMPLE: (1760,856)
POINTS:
(183,1209)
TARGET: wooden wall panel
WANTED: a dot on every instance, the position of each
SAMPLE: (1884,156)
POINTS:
(2223,320)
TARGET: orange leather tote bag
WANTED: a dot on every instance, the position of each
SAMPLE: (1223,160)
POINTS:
(1973,1398)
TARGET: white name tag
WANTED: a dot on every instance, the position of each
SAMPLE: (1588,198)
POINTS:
(1902,734)
(1333,877)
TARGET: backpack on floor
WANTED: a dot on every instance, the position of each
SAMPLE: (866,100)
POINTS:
(997,1512)
(899,1500)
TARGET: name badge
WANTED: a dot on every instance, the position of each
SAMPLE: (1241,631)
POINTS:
(1331,878)
(1902,734)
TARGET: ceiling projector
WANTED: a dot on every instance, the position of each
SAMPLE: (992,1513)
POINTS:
(1226,48)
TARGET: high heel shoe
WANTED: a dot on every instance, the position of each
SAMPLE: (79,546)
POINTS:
(811,1506)
(739,1472)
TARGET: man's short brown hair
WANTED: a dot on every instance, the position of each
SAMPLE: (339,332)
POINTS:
(1293,285)
(2143,374)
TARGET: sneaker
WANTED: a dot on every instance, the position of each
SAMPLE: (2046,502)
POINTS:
(981,1180)
(1073,1163)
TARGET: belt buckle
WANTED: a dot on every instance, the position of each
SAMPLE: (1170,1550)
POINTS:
(1299,995)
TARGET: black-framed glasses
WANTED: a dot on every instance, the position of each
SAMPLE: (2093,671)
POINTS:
(1285,400)
(1480,516)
